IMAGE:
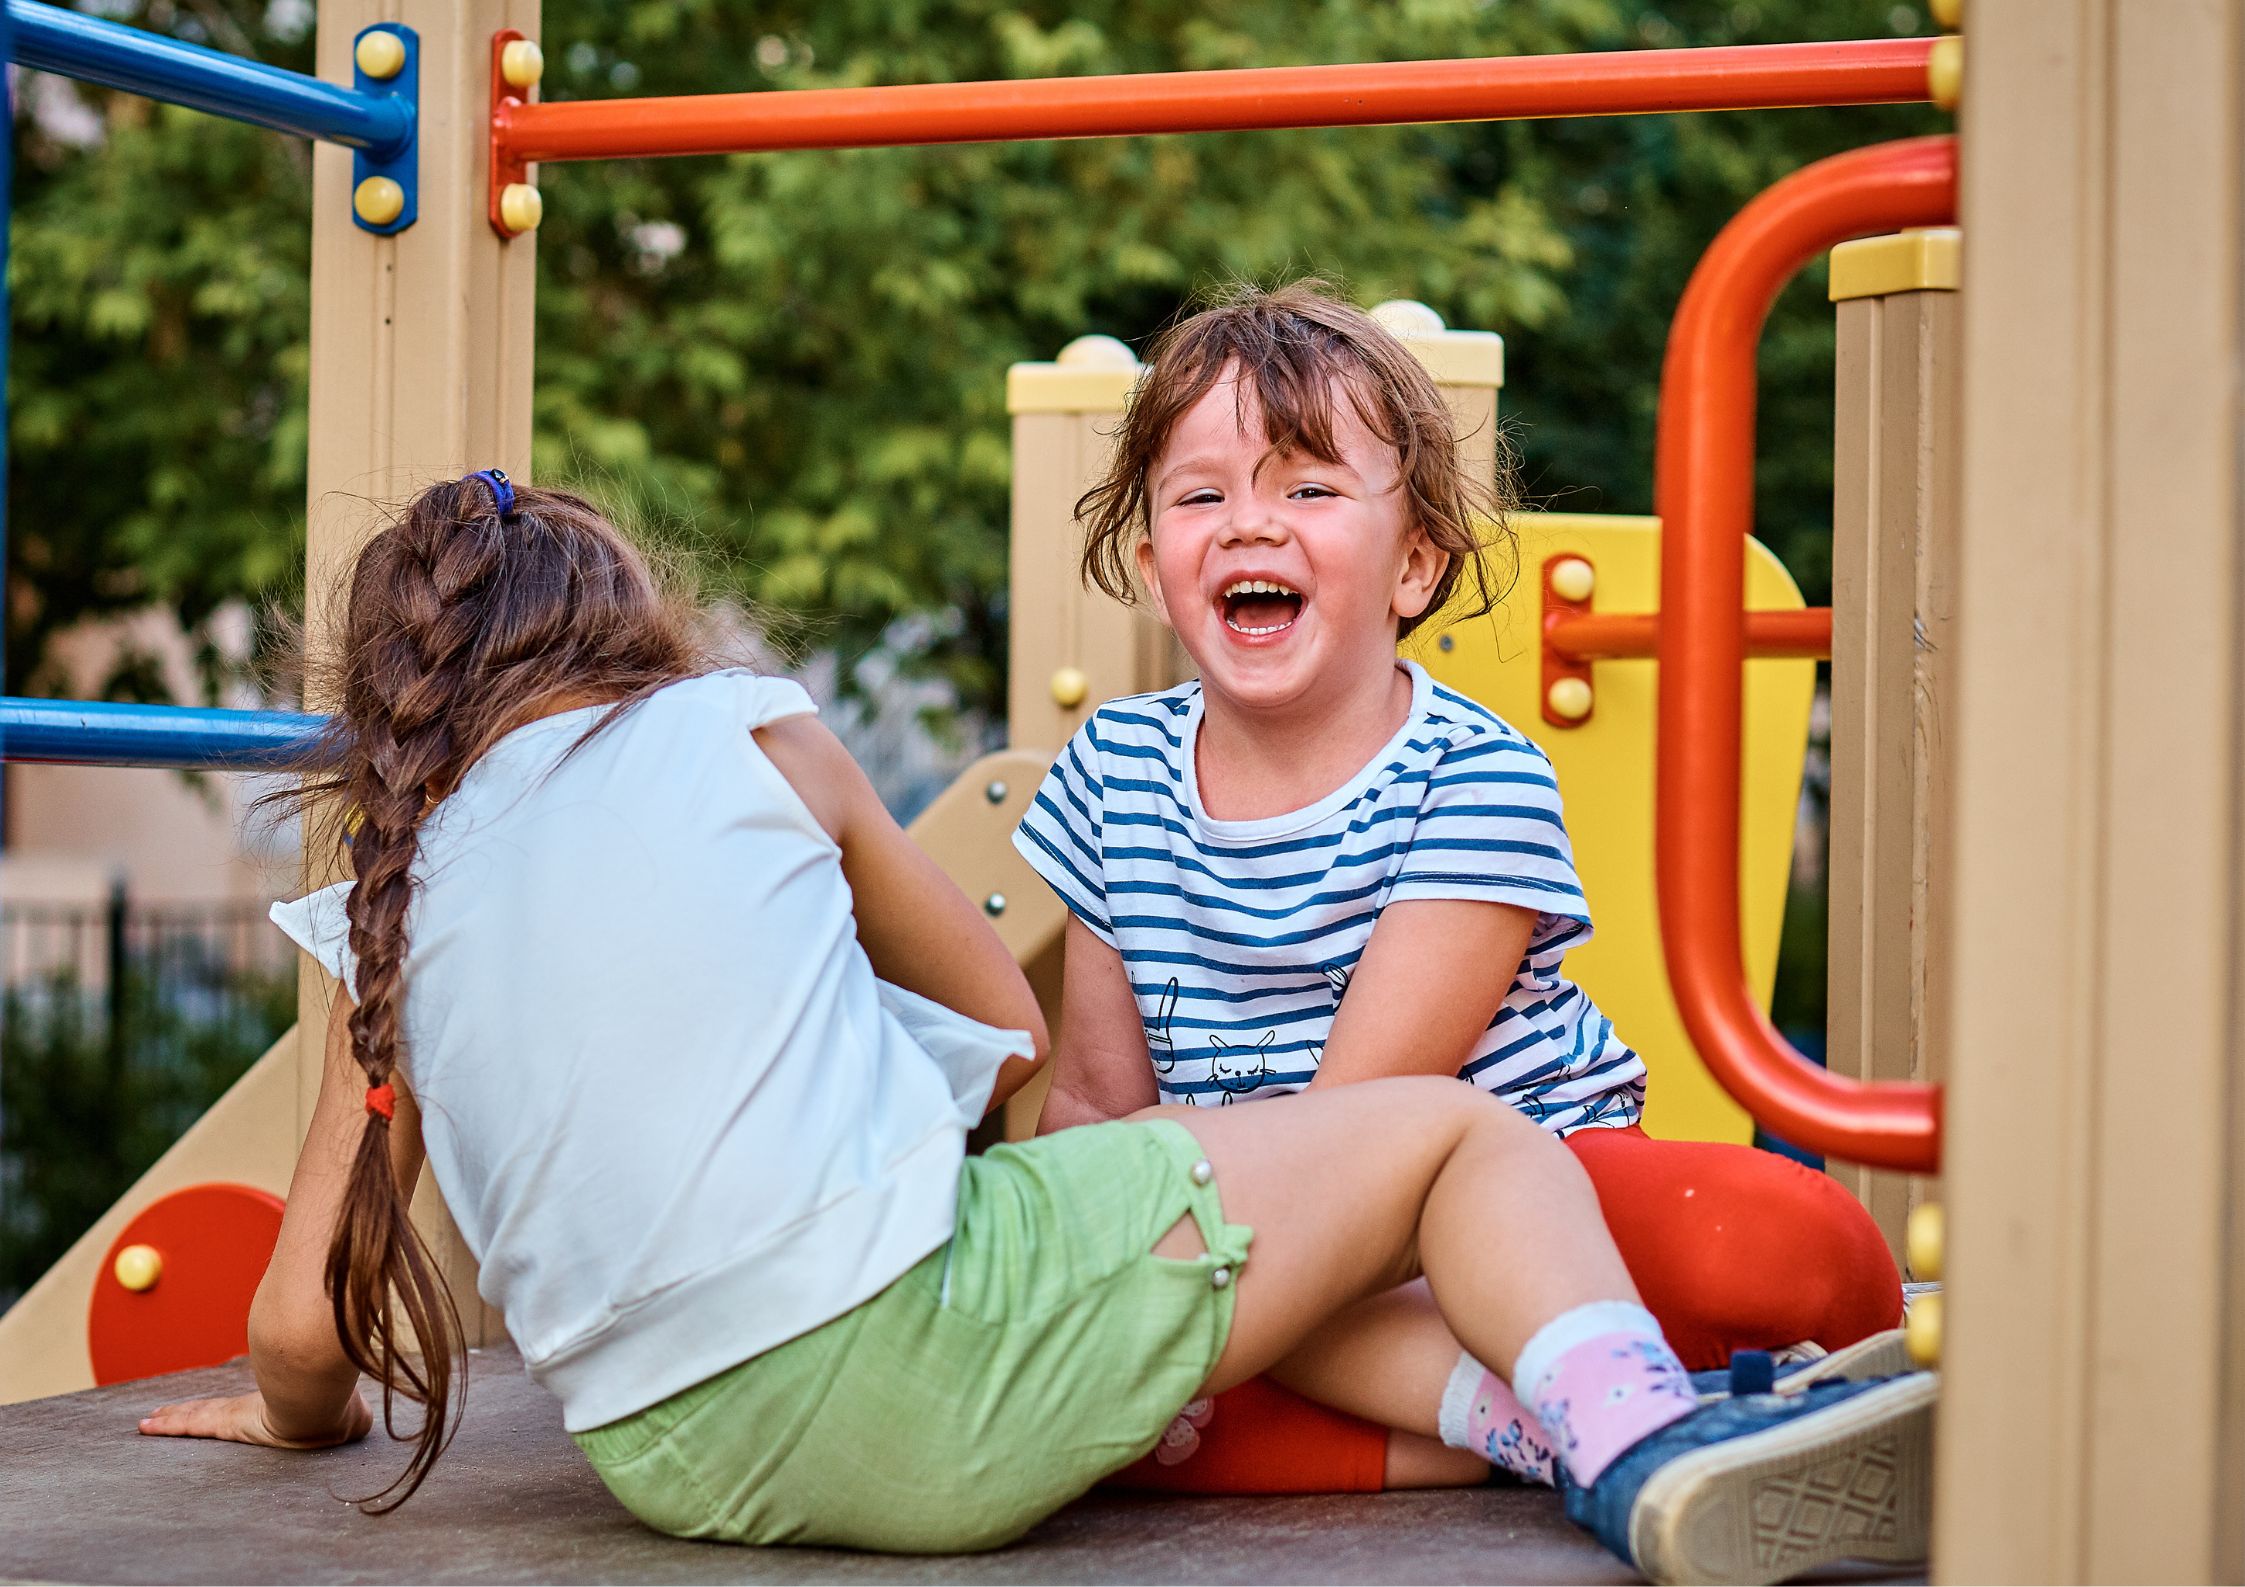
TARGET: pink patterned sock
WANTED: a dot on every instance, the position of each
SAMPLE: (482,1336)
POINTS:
(1601,1378)
(1480,1413)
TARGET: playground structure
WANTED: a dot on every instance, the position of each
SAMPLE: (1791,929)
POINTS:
(2039,769)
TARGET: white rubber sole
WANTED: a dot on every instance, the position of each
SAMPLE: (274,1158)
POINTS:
(1853,1482)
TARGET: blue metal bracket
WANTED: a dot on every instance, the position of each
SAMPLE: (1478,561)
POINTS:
(401,165)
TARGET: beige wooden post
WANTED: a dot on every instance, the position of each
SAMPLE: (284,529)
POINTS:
(1894,513)
(2093,1411)
(1071,649)
(420,371)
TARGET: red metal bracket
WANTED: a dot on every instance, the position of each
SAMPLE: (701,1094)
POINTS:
(506,165)
(1704,492)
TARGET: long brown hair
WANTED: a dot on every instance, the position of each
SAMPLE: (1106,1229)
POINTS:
(1293,346)
(460,626)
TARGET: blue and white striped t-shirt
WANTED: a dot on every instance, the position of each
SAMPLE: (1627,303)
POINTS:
(1239,936)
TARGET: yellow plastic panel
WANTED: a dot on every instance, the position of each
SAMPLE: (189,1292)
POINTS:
(1606,777)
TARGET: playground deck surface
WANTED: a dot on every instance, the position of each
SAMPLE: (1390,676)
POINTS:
(83,1498)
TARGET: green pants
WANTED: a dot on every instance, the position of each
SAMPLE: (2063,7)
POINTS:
(1040,1349)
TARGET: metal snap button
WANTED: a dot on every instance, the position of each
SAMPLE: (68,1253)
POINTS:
(1220,1278)
(1203,1172)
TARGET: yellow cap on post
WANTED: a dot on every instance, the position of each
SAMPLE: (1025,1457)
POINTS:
(138,1267)
(1924,1246)
(521,207)
(1921,1330)
(1069,686)
(1569,699)
(378,200)
(1944,72)
(1572,579)
(522,63)
(380,54)
(1948,14)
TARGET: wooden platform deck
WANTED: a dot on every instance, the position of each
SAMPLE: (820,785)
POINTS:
(85,1498)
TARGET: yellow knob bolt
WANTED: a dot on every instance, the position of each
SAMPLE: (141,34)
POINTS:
(1921,1330)
(522,63)
(1948,14)
(1569,699)
(139,1266)
(378,201)
(1944,72)
(380,54)
(1572,579)
(1069,688)
(1927,1237)
(520,207)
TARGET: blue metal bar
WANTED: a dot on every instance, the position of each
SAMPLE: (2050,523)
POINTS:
(100,733)
(94,50)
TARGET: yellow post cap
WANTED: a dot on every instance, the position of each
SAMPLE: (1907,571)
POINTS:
(520,207)
(1944,71)
(1924,1245)
(1948,14)
(1098,352)
(1569,699)
(1407,317)
(522,63)
(378,200)
(380,54)
(1069,687)
(138,1267)
(1572,579)
(1921,1330)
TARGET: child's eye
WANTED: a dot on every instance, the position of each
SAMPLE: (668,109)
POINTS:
(1198,498)
(1313,491)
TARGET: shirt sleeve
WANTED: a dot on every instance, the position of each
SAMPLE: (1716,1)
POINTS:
(1491,829)
(1060,835)
(317,924)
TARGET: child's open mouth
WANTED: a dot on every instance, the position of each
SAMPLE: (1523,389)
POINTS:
(1257,607)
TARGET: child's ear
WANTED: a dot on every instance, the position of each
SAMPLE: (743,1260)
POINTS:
(1424,563)
(1144,551)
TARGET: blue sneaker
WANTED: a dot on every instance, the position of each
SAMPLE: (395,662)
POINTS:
(1762,1487)
(1881,1355)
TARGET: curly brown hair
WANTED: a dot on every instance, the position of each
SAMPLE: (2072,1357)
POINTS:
(460,626)
(1294,346)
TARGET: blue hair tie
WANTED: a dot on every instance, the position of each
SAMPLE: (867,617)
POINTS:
(502,489)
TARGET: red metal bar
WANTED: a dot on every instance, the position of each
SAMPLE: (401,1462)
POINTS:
(1623,636)
(1502,88)
(1704,492)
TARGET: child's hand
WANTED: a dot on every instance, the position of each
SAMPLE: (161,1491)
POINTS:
(241,1419)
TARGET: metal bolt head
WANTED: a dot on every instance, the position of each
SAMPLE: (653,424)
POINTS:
(520,207)
(1070,687)
(1569,699)
(380,54)
(1572,579)
(378,200)
(994,905)
(1446,642)
(138,1267)
(522,63)
(995,791)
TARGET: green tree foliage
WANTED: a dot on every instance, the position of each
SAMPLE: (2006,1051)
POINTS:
(802,356)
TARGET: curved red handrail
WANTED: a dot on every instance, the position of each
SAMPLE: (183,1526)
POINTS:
(1704,493)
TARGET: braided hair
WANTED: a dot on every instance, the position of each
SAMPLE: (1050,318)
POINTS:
(480,608)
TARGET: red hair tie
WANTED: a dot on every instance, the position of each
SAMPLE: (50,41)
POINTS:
(382,1099)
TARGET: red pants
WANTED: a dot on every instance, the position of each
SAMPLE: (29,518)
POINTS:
(1732,1249)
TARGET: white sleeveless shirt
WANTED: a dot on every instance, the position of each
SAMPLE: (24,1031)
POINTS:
(675,1115)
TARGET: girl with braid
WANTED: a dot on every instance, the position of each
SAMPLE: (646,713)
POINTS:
(691,1036)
